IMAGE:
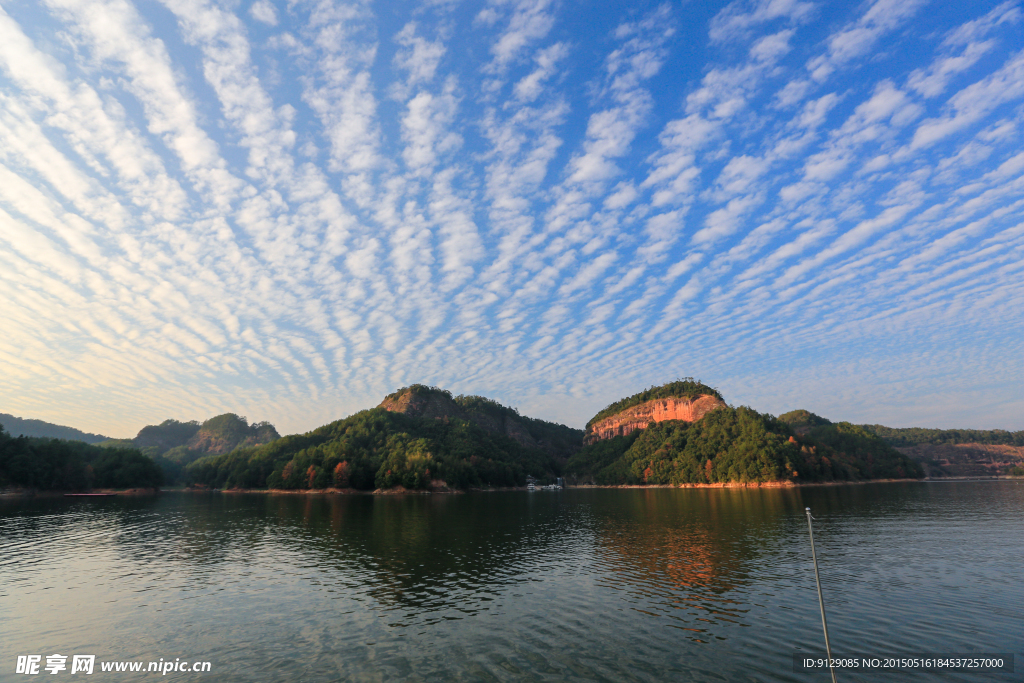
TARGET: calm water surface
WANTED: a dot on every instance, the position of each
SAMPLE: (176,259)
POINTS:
(618,585)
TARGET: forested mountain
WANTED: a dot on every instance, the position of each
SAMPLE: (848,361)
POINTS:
(423,437)
(52,464)
(419,400)
(854,452)
(916,436)
(18,426)
(743,446)
(958,452)
(174,444)
(416,448)
(687,387)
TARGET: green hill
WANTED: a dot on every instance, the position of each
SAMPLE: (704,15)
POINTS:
(917,436)
(420,400)
(726,445)
(19,426)
(687,387)
(854,452)
(737,445)
(173,444)
(57,465)
(381,448)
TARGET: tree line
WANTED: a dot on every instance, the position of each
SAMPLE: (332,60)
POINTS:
(378,449)
(740,445)
(915,436)
(686,387)
(58,465)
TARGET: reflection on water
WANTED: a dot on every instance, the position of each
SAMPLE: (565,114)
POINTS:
(645,584)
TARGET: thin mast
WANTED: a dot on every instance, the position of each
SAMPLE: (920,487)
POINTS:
(821,601)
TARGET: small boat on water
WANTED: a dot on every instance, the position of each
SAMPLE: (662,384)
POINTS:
(89,495)
(531,487)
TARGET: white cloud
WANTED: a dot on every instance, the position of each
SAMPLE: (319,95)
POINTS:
(793,92)
(740,17)
(975,101)
(340,91)
(771,48)
(859,37)
(531,86)
(932,82)
(419,57)
(976,29)
(725,221)
(225,213)
(973,39)
(264,11)
(425,128)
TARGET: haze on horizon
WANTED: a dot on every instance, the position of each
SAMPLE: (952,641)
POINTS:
(289,210)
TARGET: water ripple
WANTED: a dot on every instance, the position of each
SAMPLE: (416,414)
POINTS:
(584,585)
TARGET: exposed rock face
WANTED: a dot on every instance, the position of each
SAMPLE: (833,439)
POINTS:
(432,404)
(658,410)
(558,441)
(166,435)
(965,459)
(212,443)
(218,435)
(439,406)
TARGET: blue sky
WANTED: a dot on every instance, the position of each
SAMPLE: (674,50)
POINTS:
(287,210)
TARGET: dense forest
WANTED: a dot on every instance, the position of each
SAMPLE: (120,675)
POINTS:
(419,400)
(173,444)
(863,454)
(424,437)
(378,449)
(915,436)
(741,445)
(58,465)
(687,387)
(559,438)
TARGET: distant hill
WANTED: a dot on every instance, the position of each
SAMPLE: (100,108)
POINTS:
(645,440)
(174,444)
(45,464)
(958,452)
(218,435)
(418,438)
(686,388)
(917,436)
(17,426)
(420,400)
(685,399)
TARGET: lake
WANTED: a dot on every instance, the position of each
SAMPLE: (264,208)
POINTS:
(582,584)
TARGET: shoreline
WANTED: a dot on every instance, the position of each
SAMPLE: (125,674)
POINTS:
(32,493)
(401,491)
(786,484)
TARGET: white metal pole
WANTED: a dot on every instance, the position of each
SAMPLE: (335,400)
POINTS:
(821,601)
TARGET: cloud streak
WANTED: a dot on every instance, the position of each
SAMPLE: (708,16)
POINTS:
(287,210)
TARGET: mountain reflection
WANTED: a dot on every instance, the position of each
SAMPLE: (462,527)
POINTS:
(645,585)
(685,554)
(423,555)
(420,554)
(688,555)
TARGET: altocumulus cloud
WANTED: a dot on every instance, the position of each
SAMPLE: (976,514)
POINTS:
(288,209)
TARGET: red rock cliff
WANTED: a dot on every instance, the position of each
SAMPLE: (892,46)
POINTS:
(658,410)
